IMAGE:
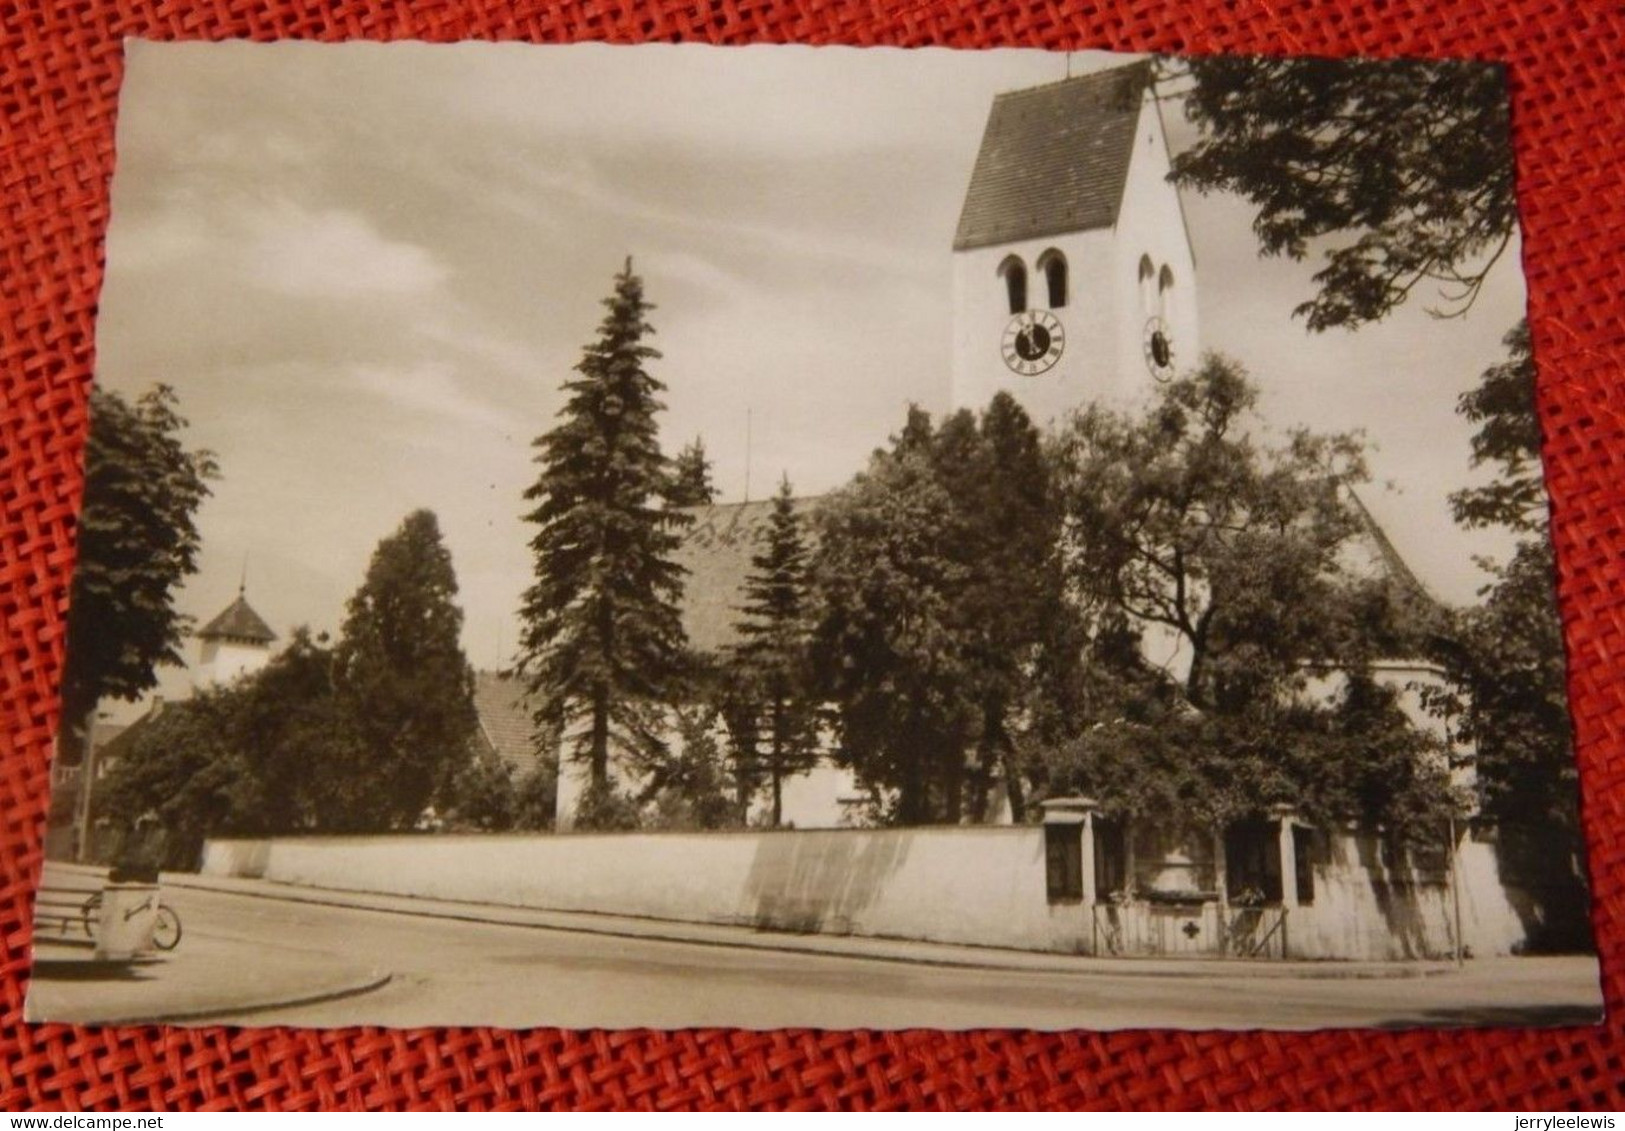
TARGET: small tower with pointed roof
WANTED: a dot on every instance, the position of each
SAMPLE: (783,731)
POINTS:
(235,643)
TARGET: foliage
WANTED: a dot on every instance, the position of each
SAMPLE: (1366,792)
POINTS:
(293,738)
(767,670)
(603,808)
(482,794)
(1507,659)
(1017,624)
(942,625)
(1181,524)
(535,802)
(1180,521)
(1410,160)
(601,638)
(887,645)
(405,684)
(1508,436)
(690,791)
(138,540)
(691,484)
(1358,758)
(1408,165)
(1507,695)
(181,761)
(1511,701)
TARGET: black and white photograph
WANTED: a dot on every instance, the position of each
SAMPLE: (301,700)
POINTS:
(858,538)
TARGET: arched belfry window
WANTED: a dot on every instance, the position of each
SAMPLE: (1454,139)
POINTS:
(1165,283)
(1148,275)
(1053,264)
(1014,273)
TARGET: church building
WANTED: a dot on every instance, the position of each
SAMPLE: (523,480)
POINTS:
(1074,283)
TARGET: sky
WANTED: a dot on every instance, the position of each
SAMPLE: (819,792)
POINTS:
(366,269)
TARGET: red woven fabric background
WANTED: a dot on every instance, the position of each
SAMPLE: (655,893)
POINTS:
(60,66)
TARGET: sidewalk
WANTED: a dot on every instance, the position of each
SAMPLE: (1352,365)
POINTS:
(846,946)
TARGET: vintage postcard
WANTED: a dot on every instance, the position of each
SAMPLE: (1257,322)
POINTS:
(671,536)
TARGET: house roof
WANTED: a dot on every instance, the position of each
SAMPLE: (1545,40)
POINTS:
(102,732)
(504,712)
(238,622)
(1054,158)
(716,552)
(119,743)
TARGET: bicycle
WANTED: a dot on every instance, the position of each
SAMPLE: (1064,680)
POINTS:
(166,931)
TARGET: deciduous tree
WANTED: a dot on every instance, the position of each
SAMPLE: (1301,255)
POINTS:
(1229,555)
(1013,609)
(184,764)
(1502,405)
(689,790)
(1505,657)
(138,540)
(1399,171)
(888,646)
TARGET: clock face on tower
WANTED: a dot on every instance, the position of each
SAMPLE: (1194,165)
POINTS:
(1158,349)
(1033,342)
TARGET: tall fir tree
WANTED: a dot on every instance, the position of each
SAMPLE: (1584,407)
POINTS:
(399,669)
(602,642)
(691,484)
(770,662)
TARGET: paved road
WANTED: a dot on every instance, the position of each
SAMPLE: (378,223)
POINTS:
(461,973)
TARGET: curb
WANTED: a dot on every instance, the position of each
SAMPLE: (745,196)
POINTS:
(376,980)
(373,980)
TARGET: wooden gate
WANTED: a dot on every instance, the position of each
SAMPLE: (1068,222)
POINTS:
(1173,930)
(1256,932)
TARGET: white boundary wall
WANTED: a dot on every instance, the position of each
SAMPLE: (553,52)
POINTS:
(979,886)
(959,885)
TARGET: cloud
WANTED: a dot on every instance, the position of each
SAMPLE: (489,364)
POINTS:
(431,389)
(158,243)
(332,254)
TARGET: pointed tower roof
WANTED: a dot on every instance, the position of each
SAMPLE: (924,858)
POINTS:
(238,622)
(1054,158)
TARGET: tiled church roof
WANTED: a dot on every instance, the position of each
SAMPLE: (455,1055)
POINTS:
(504,713)
(1389,564)
(1054,158)
(716,552)
(238,622)
(717,549)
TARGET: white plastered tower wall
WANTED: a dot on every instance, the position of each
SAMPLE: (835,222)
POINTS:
(1107,309)
(225,661)
(1151,226)
(982,312)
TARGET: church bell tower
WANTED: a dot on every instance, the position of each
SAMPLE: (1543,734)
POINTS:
(234,644)
(1074,278)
